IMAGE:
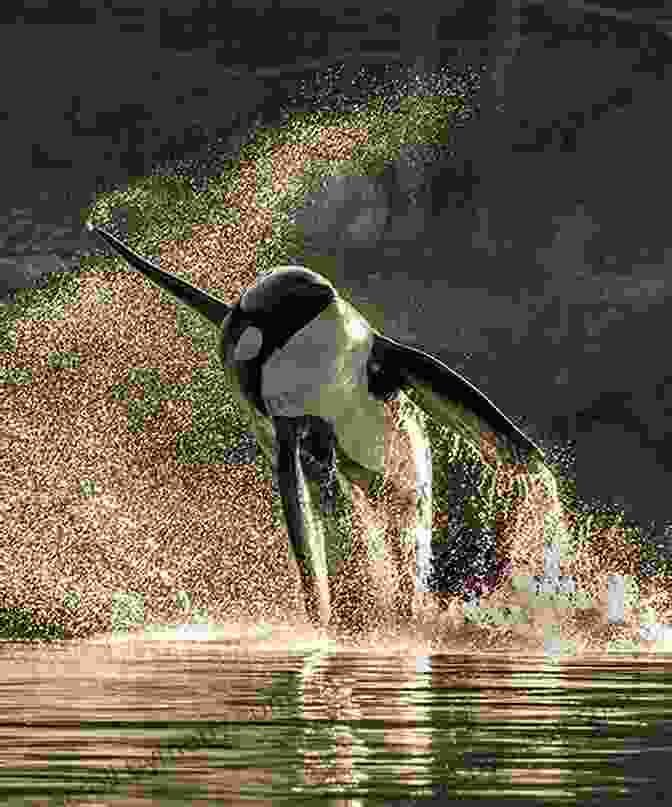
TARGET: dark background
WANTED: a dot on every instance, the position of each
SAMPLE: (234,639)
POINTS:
(541,269)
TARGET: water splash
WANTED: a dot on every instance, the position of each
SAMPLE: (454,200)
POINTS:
(163,517)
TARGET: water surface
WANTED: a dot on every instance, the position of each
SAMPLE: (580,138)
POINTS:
(278,713)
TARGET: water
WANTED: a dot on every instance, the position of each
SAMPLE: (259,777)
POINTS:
(278,713)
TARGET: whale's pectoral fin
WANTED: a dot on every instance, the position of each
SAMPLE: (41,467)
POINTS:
(449,397)
(214,310)
(303,534)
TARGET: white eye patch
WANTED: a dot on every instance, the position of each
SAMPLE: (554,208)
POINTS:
(248,345)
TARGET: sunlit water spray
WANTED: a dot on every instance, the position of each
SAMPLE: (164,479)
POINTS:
(118,499)
(542,613)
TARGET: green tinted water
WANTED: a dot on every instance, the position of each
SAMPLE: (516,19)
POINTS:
(278,714)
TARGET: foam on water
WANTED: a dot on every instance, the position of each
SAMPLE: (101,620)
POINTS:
(535,616)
